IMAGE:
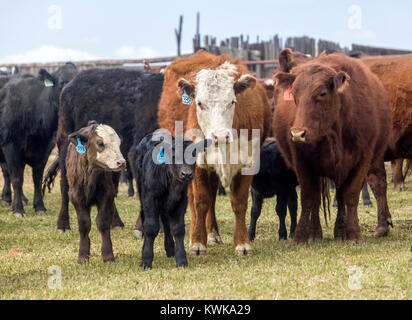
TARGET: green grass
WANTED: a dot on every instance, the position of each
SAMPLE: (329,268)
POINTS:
(276,270)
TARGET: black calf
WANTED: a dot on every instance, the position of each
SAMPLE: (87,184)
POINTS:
(162,187)
(274,178)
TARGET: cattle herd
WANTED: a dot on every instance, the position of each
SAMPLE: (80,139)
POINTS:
(327,119)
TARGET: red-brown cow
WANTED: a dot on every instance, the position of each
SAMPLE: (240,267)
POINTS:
(333,119)
(395,72)
(219,98)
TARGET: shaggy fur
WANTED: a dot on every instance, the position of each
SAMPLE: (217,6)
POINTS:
(125,99)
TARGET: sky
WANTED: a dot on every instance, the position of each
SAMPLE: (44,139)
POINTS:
(61,30)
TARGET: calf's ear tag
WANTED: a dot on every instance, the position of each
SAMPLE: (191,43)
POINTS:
(48,83)
(80,148)
(186,99)
(161,157)
(287,95)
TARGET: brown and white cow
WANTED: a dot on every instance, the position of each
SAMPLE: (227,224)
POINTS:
(395,72)
(89,174)
(333,120)
(225,99)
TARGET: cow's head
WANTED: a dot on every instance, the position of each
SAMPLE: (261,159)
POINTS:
(215,97)
(60,77)
(317,91)
(102,146)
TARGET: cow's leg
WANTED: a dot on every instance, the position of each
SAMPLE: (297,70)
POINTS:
(377,180)
(177,223)
(310,201)
(38,203)
(398,175)
(15,164)
(351,193)
(151,229)
(257,201)
(104,219)
(366,199)
(6,194)
(212,229)
(293,211)
(340,223)
(138,228)
(63,221)
(130,190)
(281,210)
(116,180)
(239,199)
(117,223)
(84,221)
(168,238)
(200,203)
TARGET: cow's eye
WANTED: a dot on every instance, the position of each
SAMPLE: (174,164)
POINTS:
(323,94)
(200,105)
(100,144)
(233,102)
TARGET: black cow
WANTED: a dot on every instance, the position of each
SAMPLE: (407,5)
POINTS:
(124,98)
(274,178)
(28,122)
(162,186)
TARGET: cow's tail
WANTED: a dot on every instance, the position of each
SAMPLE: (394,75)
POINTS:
(51,174)
(325,198)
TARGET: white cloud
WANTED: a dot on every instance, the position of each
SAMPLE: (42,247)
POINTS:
(48,53)
(130,52)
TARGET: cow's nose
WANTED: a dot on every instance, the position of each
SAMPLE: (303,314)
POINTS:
(121,163)
(223,135)
(298,134)
(186,175)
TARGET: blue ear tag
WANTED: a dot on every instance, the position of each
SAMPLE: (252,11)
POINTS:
(186,99)
(161,158)
(80,148)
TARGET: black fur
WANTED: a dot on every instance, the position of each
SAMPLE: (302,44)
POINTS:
(274,178)
(28,124)
(162,191)
(124,98)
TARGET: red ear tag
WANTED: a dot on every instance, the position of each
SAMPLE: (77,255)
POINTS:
(287,95)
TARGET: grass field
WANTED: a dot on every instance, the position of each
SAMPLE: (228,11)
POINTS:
(378,269)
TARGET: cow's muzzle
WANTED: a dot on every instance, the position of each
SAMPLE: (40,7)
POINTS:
(221,136)
(299,135)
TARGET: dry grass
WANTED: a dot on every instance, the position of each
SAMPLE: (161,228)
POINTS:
(276,270)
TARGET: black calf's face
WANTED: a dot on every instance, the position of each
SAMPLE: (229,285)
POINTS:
(183,166)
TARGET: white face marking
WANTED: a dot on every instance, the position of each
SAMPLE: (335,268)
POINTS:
(269,82)
(215,92)
(111,153)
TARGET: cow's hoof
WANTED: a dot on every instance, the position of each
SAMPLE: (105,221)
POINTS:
(63,229)
(117,228)
(197,249)
(357,242)
(243,249)
(19,214)
(368,204)
(42,213)
(214,238)
(381,231)
(82,260)
(5,203)
(25,201)
(138,234)
(109,258)
(146,265)
(182,264)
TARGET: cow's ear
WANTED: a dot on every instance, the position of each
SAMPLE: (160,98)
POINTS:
(286,60)
(185,85)
(341,81)
(284,80)
(244,82)
(47,78)
(78,135)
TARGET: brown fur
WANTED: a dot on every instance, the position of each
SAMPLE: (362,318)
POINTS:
(396,76)
(90,184)
(252,112)
(345,143)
